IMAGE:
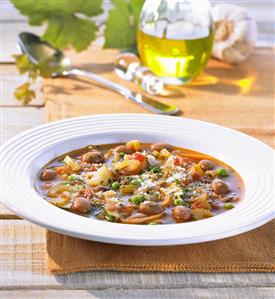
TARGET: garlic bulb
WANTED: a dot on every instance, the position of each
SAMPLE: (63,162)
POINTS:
(235,33)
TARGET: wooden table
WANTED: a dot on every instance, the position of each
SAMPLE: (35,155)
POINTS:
(23,266)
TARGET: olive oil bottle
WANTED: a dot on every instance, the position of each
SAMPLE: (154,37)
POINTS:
(175,38)
(174,60)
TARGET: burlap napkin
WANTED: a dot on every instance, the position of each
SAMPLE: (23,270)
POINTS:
(240,97)
(250,252)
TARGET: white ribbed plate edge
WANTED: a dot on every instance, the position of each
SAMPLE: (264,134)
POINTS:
(23,156)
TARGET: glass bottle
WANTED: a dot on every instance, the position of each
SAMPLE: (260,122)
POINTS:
(175,38)
(128,67)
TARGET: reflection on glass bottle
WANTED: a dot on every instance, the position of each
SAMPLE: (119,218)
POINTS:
(175,38)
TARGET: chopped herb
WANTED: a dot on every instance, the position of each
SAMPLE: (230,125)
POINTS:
(178,202)
(155,169)
(65,183)
(78,187)
(109,216)
(177,181)
(74,178)
(121,155)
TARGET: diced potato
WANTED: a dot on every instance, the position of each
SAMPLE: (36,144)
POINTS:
(169,162)
(167,198)
(155,153)
(72,163)
(201,202)
(102,176)
(109,194)
(59,189)
(164,153)
(61,202)
(66,195)
(51,193)
(127,189)
(134,145)
(199,214)
(127,167)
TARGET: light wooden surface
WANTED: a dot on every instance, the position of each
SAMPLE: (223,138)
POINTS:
(23,267)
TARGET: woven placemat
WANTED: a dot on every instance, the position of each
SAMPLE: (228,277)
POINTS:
(239,97)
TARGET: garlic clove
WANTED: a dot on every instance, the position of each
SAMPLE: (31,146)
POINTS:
(235,33)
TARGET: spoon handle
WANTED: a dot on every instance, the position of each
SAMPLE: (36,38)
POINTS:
(146,102)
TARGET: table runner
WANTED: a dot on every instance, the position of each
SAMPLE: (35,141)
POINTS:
(240,97)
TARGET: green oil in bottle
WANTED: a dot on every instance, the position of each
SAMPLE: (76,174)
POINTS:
(175,61)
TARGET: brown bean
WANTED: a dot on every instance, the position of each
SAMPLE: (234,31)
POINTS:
(123,149)
(137,216)
(150,208)
(93,157)
(123,209)
(81,204)
(206,164)
(47,185)
(160,146)
(220,187)
(48,174)
(181,213)
(215,205)
(230,198)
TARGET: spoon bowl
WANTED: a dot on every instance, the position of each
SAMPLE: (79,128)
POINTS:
(43,54)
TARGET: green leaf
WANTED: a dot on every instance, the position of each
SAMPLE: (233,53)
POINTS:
(23,63)
(67,24)
(24,94)
(70,30)
(122,24)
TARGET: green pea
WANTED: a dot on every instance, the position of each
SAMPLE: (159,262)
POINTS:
(229,206)
(115,185)
(136,182)
(221,172)
(136,199)
(178,202)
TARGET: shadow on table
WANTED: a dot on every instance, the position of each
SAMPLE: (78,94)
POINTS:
(252,77)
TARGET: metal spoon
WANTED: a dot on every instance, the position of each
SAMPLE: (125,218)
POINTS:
(55,64)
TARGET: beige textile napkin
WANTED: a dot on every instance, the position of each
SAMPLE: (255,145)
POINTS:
(249,252)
